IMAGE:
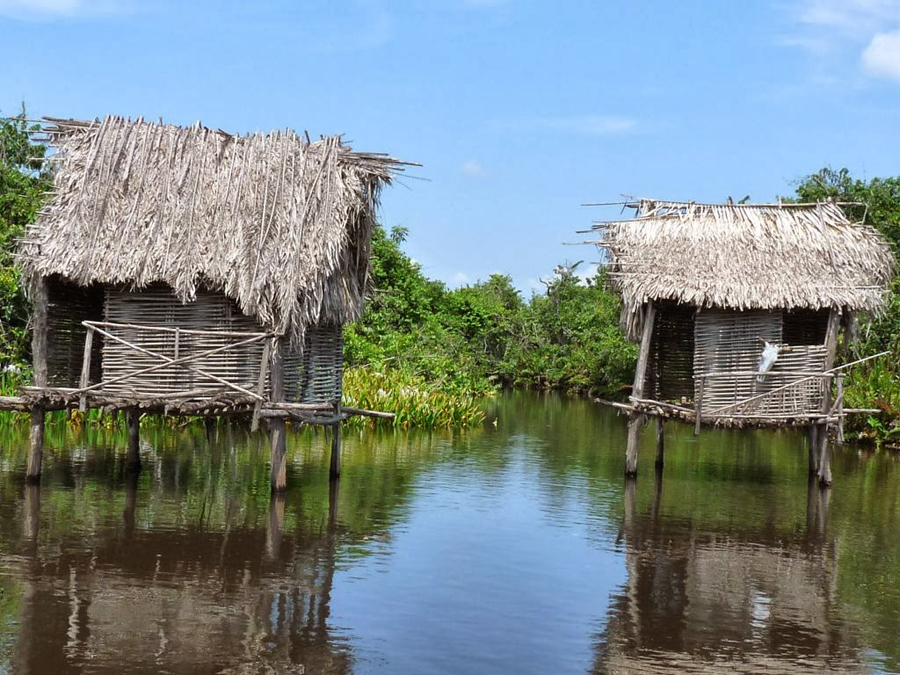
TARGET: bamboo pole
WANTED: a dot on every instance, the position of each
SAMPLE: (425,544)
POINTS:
(824,451)
(276,424)
(261,385)
(86,367)
(39,357)
(133,458)
(640,376)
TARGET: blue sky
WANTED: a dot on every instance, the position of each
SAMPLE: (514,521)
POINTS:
(518,110)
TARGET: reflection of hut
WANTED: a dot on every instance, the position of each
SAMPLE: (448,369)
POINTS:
(737,308)
(210,601)
(747,600)
(191,271)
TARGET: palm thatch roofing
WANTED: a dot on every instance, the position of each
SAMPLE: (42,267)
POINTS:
(745,256)
(279,223)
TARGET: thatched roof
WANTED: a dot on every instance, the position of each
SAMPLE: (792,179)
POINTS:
(745,256)
(278,223)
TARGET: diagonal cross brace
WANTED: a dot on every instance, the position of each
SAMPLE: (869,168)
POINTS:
(167,362)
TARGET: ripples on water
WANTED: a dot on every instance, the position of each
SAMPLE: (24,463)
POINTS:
(515,548)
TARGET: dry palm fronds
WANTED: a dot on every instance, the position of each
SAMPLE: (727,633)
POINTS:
(279,224)
(744,256)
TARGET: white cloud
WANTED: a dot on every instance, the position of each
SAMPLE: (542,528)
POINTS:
(882,57)
(840,35)
(473,168)
(53,9)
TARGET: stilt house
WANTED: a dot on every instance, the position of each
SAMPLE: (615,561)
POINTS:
(188,270)
(737,308)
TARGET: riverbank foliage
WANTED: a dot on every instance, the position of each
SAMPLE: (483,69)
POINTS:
(874,384)
(474,339)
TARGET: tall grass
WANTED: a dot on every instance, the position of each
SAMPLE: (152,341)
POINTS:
(414,402)
(876,384)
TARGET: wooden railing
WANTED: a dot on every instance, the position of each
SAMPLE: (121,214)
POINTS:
(802,396)
(149,360)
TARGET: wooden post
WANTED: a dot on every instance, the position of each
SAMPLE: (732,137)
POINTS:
(831,335)
(812,436)
(276,424)
(640,376)
(660,442)
(839,408)
(86,367)
(39,355)
(335,468)
(133,421)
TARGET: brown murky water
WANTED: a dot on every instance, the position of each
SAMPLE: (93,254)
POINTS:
(515,548)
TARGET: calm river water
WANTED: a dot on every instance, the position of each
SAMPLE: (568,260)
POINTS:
(517,548)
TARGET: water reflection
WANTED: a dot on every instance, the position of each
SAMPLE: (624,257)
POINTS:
(747,599)
(515,548)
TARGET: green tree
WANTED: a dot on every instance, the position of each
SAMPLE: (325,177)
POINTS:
(24,182)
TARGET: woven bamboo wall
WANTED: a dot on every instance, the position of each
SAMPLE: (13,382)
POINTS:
(68,305)
(728,341)
(671,369)
(312,375)
(321,375)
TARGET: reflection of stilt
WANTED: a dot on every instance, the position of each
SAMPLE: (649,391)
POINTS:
(276,525)
(334,488)
(133,420)
(660,443)
(657,486)
(822,520)
(817,502)
(131,485)
(32,511)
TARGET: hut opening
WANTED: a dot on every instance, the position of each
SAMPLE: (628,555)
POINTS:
(737,309)
(186,270)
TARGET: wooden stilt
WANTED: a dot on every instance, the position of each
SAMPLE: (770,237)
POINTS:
(812,439)
(335,469)
(277,429)
(39,358)
(36,445)
(133,421)
(823,444)
(660,443)
(636,420)
(824,457)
